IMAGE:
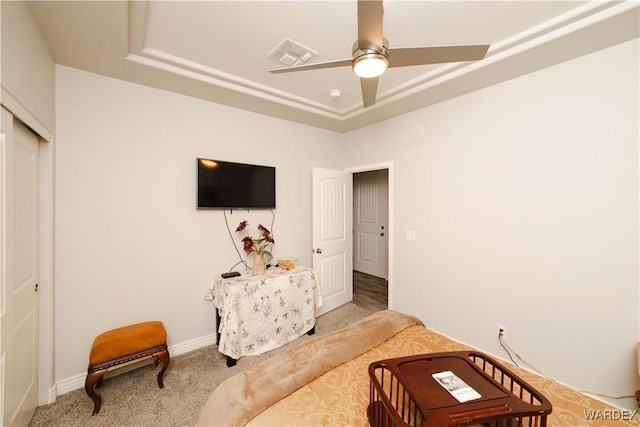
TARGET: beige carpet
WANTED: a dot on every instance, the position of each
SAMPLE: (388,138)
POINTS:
(134,399)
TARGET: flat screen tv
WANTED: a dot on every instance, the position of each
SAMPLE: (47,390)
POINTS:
(227,185)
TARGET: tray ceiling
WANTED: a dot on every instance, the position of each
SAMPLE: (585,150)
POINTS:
(218,50)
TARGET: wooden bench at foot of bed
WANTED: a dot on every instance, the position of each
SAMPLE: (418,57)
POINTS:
(121,347)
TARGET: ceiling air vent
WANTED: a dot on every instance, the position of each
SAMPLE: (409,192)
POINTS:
(291,53)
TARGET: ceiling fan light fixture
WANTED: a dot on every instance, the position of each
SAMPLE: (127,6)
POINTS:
(370,65)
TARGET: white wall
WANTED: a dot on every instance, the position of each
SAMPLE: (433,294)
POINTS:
(130,245)
(524,197)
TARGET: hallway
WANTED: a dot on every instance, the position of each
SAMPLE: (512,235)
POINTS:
(370,292)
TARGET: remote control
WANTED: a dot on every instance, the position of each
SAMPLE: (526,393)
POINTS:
(230,274)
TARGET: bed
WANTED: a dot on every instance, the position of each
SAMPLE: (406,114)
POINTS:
(326,381)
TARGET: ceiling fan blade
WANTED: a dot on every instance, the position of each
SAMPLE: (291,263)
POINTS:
(370,24)
(369,89)
(404,57)
(316,66)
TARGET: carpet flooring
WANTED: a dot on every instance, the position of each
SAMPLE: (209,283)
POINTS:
(134,398)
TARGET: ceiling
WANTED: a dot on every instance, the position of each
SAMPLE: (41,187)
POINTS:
(217,50)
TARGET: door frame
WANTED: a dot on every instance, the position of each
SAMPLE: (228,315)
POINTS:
(390,229)
(373,266)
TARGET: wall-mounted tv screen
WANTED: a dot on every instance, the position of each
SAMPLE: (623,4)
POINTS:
(228,185)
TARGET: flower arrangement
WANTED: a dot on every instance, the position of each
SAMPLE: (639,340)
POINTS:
(259,245)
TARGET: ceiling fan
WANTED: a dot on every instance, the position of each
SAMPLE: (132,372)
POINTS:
(371,55)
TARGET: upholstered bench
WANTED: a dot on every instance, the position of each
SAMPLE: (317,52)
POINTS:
(121,347)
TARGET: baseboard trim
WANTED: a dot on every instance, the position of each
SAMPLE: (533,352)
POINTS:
(52,395)
(69,384)
(186,347)
(77,381)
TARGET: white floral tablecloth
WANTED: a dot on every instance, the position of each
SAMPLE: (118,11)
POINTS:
(260,313)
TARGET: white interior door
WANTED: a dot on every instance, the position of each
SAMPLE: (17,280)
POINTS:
(333,236)
(18,282)
(370,223)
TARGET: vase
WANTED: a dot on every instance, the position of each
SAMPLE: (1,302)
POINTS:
(258,264)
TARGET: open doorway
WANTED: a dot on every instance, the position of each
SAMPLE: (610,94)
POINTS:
(371,239)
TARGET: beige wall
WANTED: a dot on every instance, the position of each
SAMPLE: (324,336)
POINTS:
(524,197)
(130,244)
(27,68)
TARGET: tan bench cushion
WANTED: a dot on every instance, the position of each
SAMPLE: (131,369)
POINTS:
(127,340)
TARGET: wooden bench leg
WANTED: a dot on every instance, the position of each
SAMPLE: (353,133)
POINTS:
(90,382)
(163,357)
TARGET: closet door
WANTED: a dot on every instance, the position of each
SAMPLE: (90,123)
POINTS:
(19,278)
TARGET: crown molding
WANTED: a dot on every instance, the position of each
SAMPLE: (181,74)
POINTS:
(533,46)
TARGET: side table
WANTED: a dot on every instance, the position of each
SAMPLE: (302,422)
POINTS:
(260,313)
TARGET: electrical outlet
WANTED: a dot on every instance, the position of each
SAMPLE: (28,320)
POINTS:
(502,329)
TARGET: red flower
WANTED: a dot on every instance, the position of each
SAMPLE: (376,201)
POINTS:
(266,234)
(248,245)
(242,226)
(261,244)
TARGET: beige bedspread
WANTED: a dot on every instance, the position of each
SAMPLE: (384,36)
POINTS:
(241,397)
(326,383)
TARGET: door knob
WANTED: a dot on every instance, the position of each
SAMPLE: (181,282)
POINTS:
(318,251)
(382,234)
